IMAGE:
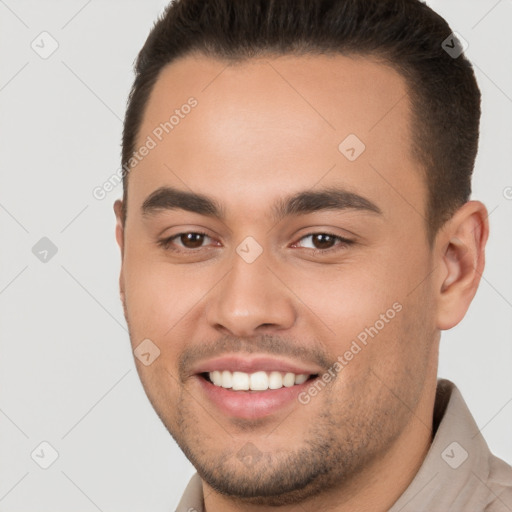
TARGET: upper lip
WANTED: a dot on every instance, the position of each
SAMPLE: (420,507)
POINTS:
(236,363)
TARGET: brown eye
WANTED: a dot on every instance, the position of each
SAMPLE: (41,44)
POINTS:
(191,240)
(184,241)
(323,241)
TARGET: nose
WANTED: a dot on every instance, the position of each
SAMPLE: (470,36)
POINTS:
(251,298)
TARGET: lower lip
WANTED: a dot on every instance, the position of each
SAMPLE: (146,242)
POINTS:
(252,404)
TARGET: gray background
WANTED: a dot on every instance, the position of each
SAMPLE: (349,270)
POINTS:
(66,370)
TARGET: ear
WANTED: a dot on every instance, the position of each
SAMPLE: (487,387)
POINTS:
(118,210)
(460,250)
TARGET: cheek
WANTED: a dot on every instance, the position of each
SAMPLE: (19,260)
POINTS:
(161,385)
(391,361)
(157,295)
(347,297)
(375,311)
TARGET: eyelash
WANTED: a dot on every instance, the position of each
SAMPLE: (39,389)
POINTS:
(344,242)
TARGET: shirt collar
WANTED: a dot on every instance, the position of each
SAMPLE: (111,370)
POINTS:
(455,474)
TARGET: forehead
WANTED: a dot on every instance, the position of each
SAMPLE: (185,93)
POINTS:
(271,124)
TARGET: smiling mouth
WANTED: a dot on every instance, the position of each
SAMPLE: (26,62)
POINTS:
(257,381)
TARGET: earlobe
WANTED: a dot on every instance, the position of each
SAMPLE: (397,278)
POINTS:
(461,262)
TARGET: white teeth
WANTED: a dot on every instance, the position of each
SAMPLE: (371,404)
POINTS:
(227,379)
(300,379)
(289,380)
(240,381)
(258,381)
(216,377)
(275,381)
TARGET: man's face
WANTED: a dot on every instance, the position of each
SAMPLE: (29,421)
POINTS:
(262,292)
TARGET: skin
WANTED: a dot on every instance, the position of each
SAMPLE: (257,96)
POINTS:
(262,130)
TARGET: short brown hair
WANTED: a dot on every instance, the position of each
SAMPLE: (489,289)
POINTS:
(407,34)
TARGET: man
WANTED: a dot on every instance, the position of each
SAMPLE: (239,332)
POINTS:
(296,231)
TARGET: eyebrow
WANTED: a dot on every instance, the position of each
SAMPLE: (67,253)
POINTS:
(301,203)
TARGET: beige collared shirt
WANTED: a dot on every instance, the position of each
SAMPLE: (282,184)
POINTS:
(459,473)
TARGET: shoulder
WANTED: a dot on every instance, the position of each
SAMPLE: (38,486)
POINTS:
(500,486)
